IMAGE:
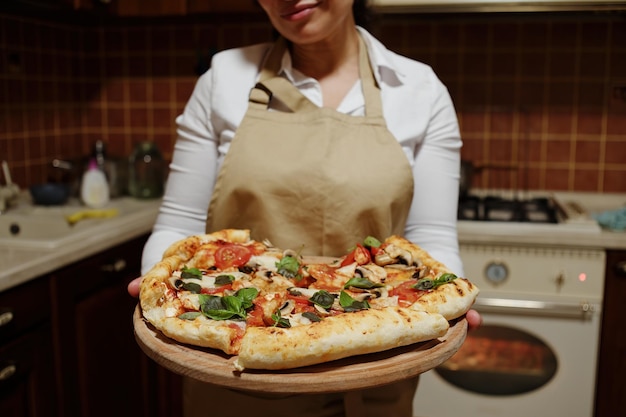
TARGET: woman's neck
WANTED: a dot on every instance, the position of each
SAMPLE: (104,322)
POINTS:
(327,56)
(334,63)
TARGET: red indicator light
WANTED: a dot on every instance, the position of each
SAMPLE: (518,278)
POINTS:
(582,277)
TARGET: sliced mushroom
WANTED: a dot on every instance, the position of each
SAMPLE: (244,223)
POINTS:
(362,296)
(292,253)
(288,307)
(321,310)
(393,254)
(264,275)
(374,273)
(421,271)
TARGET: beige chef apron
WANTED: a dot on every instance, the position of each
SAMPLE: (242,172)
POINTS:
(312,177)
(316,179)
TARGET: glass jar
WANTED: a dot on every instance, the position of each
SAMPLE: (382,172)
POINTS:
(146,174)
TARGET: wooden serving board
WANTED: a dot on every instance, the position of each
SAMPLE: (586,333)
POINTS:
(357,372)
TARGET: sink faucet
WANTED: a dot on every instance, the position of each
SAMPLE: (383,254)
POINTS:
(8,192)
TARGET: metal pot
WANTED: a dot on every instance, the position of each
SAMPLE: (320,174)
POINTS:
(467,175)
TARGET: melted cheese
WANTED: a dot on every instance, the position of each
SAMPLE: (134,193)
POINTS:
(265,262)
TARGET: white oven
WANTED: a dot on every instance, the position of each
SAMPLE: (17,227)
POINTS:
(536,353)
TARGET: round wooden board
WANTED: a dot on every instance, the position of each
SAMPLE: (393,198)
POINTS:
(357,372)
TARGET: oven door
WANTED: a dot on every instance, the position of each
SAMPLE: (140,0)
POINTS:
(530,358)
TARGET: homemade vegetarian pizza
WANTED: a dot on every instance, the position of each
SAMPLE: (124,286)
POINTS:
(276,309)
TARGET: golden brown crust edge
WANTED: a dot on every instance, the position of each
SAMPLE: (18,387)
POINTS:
(337,337)
(451,300)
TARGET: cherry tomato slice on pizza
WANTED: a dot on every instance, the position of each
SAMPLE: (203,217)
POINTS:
(406,293)
(360,255)
(232,255)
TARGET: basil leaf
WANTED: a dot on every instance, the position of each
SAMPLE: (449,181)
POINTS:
(219,314)
(246,296)
(294,291)
(228,307)
(288,267)
(445,278)
(194,273)
(212,302)
(191,287)
(323,299)
(222,280)
(280,321)
(190,315)
(361,282)
(371,242)
(426,284)
(225,308)
(232,303)
(350,304)
(311,316)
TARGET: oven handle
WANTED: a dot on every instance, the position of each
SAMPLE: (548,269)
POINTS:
(583,310)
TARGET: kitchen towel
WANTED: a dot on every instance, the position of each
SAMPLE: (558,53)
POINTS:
(612,219)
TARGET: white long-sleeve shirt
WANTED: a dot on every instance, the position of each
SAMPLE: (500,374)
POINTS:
(416,105)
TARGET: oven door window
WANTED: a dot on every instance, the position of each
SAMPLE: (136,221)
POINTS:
(499,360)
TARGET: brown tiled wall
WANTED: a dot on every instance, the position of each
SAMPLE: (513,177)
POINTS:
(534,94)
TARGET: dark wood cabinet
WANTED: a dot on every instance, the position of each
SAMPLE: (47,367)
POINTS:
(27,377)
(611,386)
(67,345)
(104,373)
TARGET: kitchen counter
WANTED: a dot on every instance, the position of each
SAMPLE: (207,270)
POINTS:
(540,234)
(21,264)
(578,231)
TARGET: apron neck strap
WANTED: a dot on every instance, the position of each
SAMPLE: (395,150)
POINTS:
(270,82)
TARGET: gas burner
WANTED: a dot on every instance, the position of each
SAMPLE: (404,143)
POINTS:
(496,208)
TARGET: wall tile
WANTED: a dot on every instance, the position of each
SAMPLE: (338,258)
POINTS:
(532,92)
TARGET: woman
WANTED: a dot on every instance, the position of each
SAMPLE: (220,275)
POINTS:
(340,139)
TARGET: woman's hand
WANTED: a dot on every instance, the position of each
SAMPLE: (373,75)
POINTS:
(474,319)
(133,287)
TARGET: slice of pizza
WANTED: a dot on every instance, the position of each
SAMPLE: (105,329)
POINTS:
(395,272)
(208,287)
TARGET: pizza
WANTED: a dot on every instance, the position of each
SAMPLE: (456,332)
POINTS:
(275,309)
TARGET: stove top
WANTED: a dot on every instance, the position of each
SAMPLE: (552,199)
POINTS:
(505,209)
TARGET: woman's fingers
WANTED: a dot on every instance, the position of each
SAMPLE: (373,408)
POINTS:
(133,287)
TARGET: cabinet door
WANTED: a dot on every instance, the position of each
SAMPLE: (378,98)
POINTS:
(611,387)
(27,375)
(104,372)
(27,379)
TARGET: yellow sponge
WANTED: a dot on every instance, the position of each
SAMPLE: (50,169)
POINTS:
(74,218)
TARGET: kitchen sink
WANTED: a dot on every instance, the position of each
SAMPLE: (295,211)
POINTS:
(39,227)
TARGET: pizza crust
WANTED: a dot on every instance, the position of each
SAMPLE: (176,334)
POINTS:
(451,300)
(204,332)
(337,337)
